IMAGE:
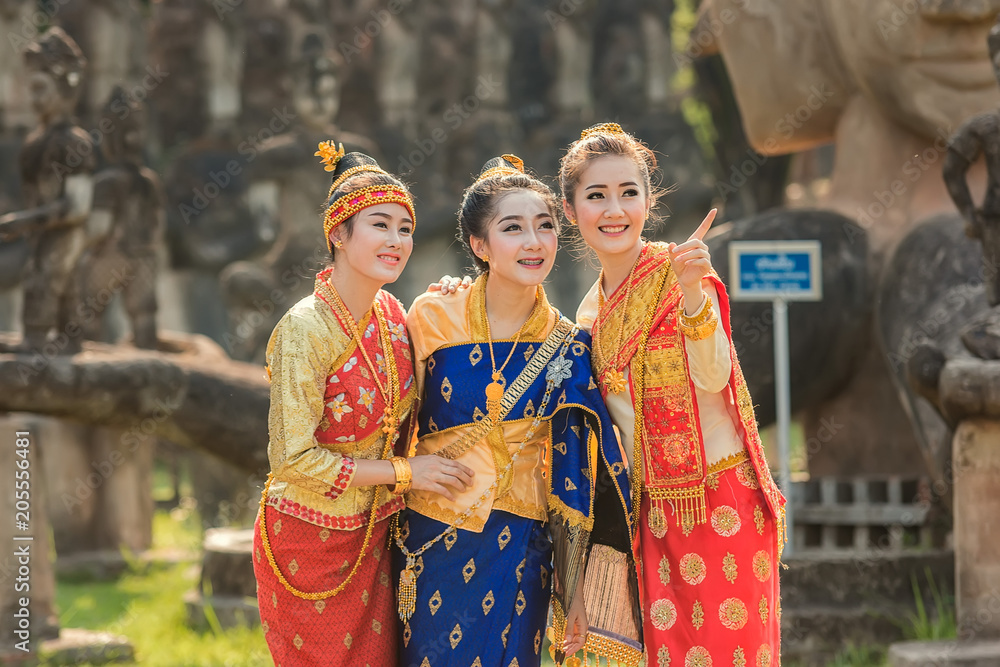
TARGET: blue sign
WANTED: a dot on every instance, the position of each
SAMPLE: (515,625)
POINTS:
(766,270)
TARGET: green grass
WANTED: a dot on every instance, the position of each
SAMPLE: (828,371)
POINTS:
(921,625)
(860,656)
(146,606)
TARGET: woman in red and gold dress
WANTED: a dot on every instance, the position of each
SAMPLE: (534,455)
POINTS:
(341,394)
(709,516)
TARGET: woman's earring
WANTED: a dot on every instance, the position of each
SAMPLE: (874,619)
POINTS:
(486,258)
(338,244)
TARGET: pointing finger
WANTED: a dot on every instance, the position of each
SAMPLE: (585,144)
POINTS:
(705,224)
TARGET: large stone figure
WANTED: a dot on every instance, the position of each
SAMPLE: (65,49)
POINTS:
(127,220)
(887,83)
(56,165)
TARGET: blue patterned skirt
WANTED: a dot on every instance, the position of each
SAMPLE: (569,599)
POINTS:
(482,598)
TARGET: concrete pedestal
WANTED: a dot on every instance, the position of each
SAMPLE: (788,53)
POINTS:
(976,461)
(945,654)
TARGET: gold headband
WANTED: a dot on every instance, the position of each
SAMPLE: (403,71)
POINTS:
(352,202)
(604,128)
(504,170)
(362,198)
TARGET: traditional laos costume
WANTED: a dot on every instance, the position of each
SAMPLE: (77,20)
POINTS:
(709,517)
(340,392)
(483,590)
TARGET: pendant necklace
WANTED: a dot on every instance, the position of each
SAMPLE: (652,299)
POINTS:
(495,389)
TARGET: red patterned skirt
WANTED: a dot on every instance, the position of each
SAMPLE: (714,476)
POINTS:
(711,597)
(354,628)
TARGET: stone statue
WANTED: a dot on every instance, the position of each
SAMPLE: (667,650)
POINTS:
(284,194)
(887,83)
(127,221)
(112,34)
(977,137)
(56,163)
(15,23)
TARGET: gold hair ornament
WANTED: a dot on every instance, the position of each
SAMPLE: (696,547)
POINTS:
(330,154)
(613,129)
(504,170)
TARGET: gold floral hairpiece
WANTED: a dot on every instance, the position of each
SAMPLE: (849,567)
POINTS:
(503,169)
(330,154)
(604,128)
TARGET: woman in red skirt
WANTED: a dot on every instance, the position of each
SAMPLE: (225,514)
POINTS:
(341,394)
(709,516)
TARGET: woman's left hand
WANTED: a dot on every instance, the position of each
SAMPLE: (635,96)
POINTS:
(576,626)
(691,259)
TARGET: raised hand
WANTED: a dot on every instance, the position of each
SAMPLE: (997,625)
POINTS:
(691,259)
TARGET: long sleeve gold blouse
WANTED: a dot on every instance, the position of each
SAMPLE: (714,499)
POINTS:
(327,410)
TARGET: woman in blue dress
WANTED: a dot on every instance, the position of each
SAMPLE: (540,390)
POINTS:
(506,388)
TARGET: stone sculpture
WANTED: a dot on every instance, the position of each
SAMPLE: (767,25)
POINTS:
(56,175)
(126,224)
(887,83)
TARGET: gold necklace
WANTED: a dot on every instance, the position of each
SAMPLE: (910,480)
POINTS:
(391,397)
(495,389)
(613,379)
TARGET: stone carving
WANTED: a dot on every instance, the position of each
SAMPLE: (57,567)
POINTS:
(285,192)
(56,165)
(887,83)
(125,224)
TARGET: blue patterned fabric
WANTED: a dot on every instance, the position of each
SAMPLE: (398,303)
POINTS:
(482,598)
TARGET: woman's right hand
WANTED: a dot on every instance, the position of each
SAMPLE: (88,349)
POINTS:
(450,284)
(440,475)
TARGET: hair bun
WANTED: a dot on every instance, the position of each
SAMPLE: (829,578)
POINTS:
(604,128)
(505,165)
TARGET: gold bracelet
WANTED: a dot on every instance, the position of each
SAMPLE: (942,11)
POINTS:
(700,331)
(404,475)
(704,314)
